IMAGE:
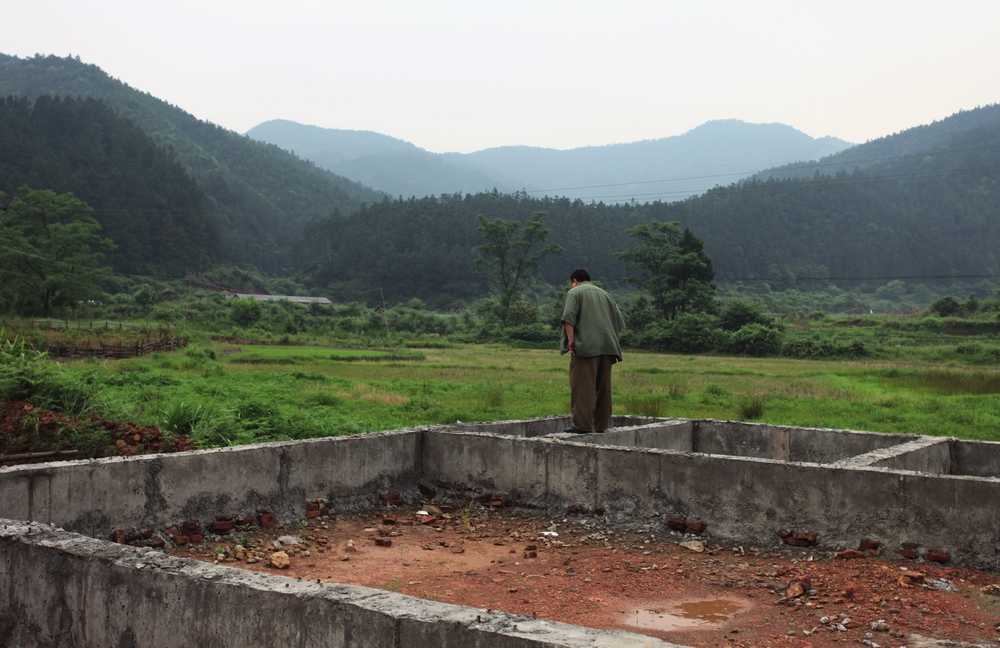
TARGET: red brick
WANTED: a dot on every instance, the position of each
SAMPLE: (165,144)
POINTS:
(937,556)
(197,537)
(181,540)
(867,544)
(312,514)
(850,554)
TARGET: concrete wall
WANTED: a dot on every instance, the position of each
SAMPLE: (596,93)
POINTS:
(981,458)
(745,500)
(63,589)
(95,497)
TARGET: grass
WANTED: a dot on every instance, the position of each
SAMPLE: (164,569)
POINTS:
(242,403)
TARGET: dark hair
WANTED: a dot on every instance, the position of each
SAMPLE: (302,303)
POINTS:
(579,275)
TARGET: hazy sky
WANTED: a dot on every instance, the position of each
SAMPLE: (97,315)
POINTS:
(461,76)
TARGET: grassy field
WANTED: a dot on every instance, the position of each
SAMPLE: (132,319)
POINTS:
(299,392)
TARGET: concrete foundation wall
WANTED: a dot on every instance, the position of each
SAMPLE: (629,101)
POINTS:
(742,499)
(980,458)
(95,497)
(63,589)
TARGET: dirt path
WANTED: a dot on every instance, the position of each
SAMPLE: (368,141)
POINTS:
(586,575)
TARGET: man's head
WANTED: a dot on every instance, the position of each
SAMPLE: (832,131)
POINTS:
(578,276)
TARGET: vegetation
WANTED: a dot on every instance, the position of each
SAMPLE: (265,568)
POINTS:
(46,252)
(258,194)
(509,259)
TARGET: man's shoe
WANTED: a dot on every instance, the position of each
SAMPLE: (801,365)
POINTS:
(573,430)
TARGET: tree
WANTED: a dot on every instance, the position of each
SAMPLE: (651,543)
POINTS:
(47,256)
(672,267)
(509,259)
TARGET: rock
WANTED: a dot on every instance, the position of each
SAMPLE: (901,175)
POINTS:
(350,546)
(850,554)
(992,590)
(433,510)
(795,590)
(383,542)
(693,545)
(279,560)
(879,626)
(345,558)
(289,540)
(694,526)
(867,544)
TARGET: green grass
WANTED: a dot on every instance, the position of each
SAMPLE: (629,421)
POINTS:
(224,402)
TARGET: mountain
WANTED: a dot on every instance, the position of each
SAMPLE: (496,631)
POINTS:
(263,195)
(669,168)
(144,200)
(929,215)
(724,151)
(892,150)
(392,165)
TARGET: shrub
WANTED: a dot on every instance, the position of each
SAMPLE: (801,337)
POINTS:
(946,306)
(751,408)
(245,312)
(755,340)
(688,333)
(738,313)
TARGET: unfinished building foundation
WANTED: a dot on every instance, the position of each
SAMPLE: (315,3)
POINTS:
(62,582)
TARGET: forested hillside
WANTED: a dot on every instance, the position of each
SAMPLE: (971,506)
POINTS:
(145,201)
(425,247)
(264,194)
(924,218)
(882,153)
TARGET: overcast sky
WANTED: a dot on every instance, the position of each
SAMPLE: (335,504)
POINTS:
(462,76)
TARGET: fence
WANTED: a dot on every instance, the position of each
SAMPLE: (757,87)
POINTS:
(115,352)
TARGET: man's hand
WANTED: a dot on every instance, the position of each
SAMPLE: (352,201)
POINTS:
(569,337)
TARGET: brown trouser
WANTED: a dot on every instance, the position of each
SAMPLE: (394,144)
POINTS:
(590,392)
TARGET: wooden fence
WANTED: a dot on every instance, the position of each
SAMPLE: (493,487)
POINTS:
(115,352)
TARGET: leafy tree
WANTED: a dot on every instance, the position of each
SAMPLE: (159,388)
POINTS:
(47,256)
(739,312)
(245,312)
(946,306)
(673,268)
(509,258)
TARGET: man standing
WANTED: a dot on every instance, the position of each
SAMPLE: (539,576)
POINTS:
(591,326)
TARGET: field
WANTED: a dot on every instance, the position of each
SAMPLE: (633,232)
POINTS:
(225,394)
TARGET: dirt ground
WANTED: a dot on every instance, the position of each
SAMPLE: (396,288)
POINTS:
(584,572)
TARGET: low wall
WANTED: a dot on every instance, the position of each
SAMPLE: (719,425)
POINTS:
(96,496)
(742,499)
(62,589)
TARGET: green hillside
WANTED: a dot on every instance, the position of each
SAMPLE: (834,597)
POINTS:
(145,201)
(262,194)
(924,219)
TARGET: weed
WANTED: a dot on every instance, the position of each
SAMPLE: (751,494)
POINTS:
(751,407)
(642,404)
(715,389)
(395,585)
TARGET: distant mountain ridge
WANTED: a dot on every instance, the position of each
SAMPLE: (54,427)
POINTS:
(730,149)
(263,194)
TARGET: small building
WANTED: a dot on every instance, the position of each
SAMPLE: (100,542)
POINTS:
(295,299)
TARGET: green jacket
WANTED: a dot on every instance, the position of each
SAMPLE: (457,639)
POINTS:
(596,322)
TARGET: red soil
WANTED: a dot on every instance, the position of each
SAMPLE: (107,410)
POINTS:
(500,561)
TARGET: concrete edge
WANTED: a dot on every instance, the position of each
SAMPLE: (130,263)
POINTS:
(27,549)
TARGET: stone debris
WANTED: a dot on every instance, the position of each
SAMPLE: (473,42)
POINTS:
(279,560)
(799,538)
(693,545)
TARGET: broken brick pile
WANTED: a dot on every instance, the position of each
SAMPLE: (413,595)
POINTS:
(191,531)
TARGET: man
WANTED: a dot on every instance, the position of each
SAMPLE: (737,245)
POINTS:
(591,326)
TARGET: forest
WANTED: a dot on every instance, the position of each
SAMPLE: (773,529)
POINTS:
(262,194)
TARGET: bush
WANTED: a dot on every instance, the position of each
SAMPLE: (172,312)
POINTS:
(688,333)
(946,306)
(29,375)
(755,340)
(738,313)
(245,312)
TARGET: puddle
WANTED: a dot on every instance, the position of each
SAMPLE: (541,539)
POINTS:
(684,616)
